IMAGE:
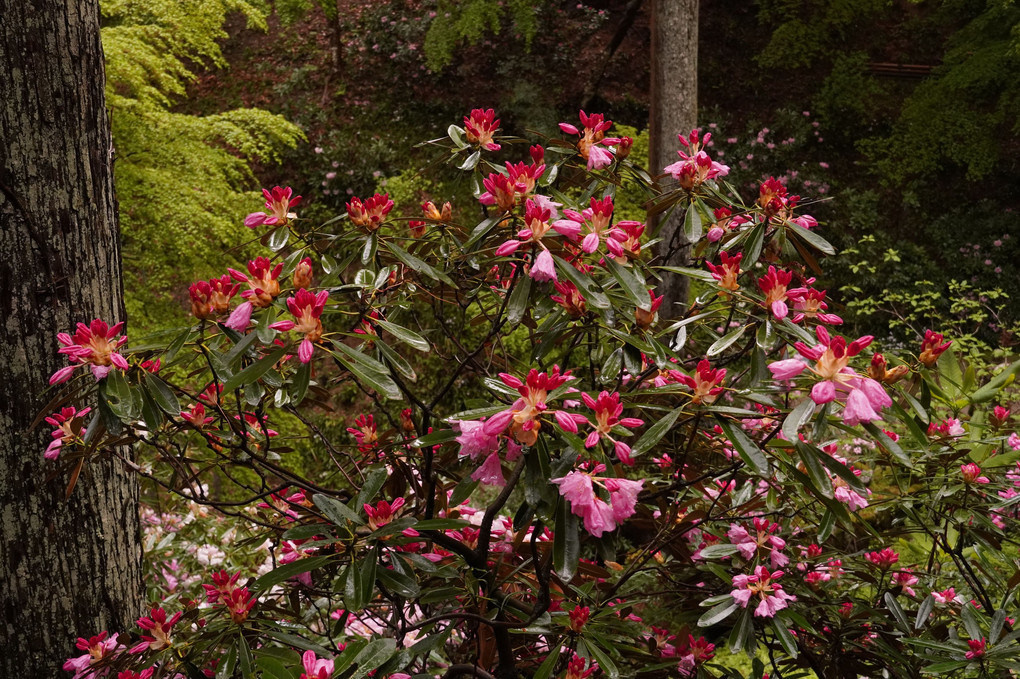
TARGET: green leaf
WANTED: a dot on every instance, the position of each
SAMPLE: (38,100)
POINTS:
(718,551)
(840,470)
(299,386)
(819,478)
(418,265)
(336,511)
(923,611)
(245,659)
(655,433)
(254,371)
(786,639)
(584,283)
(372,656)
(718,613)
(992,388)
(272,668)
(373,484)
(970,622)
(897,611)
(399,583)
(288,571)
(471,161)
(797,417)
(755,240)
(749,451)
(518,303)
(456,135)
(369,250)
(545,670)
(631,283)
(408,337)
(162,395)
(809,236)
(364,369)
(398,361)
(692,224)
(886,442)
(566,542)
(724,342)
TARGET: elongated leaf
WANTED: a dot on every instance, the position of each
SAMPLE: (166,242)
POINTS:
(819,479)
(399,583)
(655,433)
(373,656)
(897,611)
(786,639)
(471,161)
(373,483)
(886,442)
(336,511)
(591,293)
(254,371)
(518,303)
(718,613)
(809,236)
(162,395)
(456,135)
(299,387)
(631,283)
(755,240)
(797,417)
(749,451)
(727,340)
(417,264)
(288,571)
(606,663)
(692,224)
(408,337)
(566,543)
(398,361)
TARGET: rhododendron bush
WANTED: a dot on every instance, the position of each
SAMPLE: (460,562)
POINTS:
(544,472)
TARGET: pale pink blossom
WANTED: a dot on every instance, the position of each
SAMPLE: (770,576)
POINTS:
(761,584)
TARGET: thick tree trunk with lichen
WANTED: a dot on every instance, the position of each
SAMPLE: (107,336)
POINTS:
(67,567)
(674,110)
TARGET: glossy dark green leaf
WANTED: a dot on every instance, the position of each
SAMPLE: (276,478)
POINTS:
(655,433)
(254,371)
(408,337)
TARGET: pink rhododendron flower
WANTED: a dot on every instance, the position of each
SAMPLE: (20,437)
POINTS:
(592,139)
(646,319)
(704,382)
(932,347)
(948,428)
(761,584)
(500,190)
(977,648)
(316,667)
(774,284)
(727,271)
(490,472)
(383,513)
(94,345)
(307,308)
(596,221)
(810,303)
(1013,441)
(210,298)
(764,539)
(67,421)
(480,126)
(575,669)
(543,268)
(972,473)
(279,201)
(607,409)
(97,649)
(158,627)
(693,653)
(598,515)
(570,298)
(371,213)
(523,415)
(883,558)
(263,287)
(695,167)
(904,579)
(578,617)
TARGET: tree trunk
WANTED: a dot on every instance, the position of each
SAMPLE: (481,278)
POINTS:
(674,110)
(67,568)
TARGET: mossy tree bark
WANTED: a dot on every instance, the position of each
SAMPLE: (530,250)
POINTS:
(67,567)
(674,110)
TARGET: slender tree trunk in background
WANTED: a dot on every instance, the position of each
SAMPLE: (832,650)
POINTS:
(67,568)
(674,110)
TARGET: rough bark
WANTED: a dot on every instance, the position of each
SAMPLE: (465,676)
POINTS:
(67,568)
(674,110)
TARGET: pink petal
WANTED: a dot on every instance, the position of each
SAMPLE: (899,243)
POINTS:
(62,375)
